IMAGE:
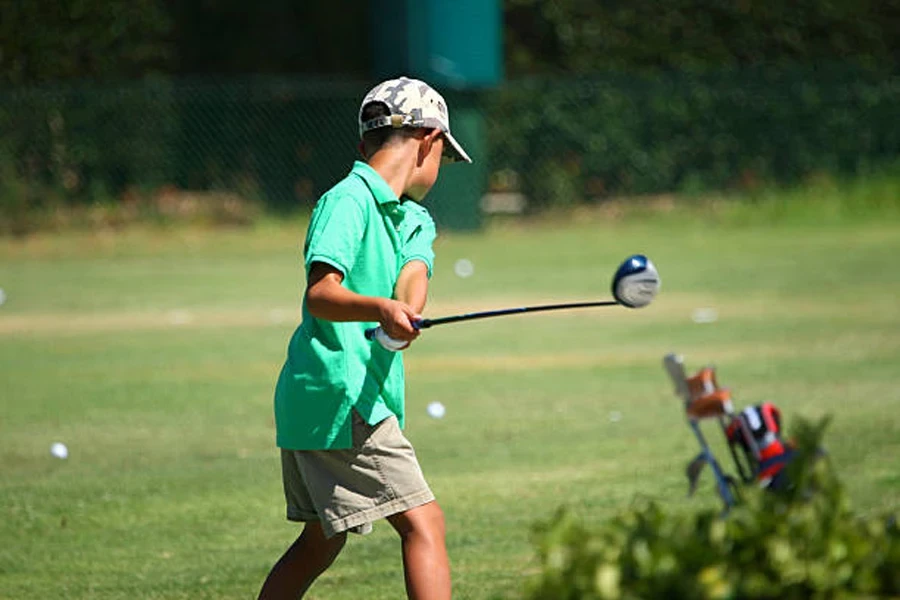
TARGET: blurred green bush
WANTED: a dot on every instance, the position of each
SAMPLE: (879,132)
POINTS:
(803,543)
(624,135)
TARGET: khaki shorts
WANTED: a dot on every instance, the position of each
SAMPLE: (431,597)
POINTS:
(350,488)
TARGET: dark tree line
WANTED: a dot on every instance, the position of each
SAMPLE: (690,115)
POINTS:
(51,40)
(646,35)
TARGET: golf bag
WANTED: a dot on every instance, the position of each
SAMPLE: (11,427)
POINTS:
(753,435)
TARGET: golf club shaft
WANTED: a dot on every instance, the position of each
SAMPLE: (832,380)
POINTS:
(426,323)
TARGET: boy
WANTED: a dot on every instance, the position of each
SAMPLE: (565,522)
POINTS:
(339,403)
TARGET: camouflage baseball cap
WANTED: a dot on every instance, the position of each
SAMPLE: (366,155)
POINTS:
(412,103)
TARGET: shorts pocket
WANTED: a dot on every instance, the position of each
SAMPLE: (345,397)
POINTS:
(362,431)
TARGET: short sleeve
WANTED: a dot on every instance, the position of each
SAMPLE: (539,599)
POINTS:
(419,237)
(335,232)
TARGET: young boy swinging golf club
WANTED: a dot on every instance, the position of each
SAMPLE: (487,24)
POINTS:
(339,400)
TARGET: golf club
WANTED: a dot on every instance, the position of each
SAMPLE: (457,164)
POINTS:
(634,285)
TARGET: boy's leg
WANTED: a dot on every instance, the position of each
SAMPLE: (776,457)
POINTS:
(306,559)
(425,561)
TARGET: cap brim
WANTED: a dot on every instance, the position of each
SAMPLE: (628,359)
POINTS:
(455,152)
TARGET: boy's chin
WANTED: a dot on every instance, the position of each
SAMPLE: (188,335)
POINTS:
(416,194)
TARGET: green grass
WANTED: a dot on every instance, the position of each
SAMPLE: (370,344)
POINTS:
(153,355)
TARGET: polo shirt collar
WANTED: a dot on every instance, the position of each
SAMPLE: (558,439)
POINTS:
(380,189)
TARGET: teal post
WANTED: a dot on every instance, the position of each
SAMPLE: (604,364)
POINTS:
(455,45)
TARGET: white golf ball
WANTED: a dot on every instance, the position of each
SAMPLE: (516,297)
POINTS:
(2,297)
(59,450)
(464,268)
(436,410)
(615,416)
(705,315)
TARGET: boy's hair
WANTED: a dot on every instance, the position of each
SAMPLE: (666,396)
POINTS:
(375,139)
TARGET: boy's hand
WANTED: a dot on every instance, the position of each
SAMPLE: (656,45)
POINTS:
(397,320)
(388,343)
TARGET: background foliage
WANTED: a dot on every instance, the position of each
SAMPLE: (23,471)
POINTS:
(589,138)
(238,102)
(803,542)
(280,142)
(49,40)
(582,36)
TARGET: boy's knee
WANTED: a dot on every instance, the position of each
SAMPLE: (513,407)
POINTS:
(426,520)
(318,548)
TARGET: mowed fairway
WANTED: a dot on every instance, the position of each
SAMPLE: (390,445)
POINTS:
(153,356)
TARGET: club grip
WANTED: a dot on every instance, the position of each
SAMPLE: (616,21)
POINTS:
(420,324)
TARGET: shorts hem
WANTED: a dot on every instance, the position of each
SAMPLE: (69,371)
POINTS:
(300,517)
(392,507)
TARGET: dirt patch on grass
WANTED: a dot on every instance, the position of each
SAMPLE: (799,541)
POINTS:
(71,324)
(672,307)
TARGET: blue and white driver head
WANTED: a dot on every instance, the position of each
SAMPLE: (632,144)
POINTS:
(636,282)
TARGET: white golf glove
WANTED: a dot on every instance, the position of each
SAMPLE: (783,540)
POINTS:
(389,343)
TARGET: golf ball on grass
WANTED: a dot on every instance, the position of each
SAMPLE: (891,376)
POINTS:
(2,297)
(59,450)
(705,315)
(436,410)
(464,268)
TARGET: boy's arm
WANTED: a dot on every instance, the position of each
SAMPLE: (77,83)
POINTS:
(327,299)
(412,285)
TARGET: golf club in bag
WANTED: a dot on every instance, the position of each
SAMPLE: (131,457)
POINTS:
(753,435)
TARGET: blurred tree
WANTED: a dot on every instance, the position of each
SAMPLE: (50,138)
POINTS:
(53,40)
(275,36)
(50,40)
(584,35)
(44,40)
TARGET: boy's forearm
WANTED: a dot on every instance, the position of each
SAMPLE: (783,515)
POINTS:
(331,301)
(412,285)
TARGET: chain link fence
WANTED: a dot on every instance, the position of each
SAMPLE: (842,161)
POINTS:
(590,139)
(274,141)
(278,143)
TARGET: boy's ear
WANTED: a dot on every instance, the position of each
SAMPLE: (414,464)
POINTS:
(427,143)
(434,134)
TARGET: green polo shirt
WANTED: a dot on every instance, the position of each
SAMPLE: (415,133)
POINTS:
(360,228)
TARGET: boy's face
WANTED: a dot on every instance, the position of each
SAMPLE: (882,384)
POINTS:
(428,165)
